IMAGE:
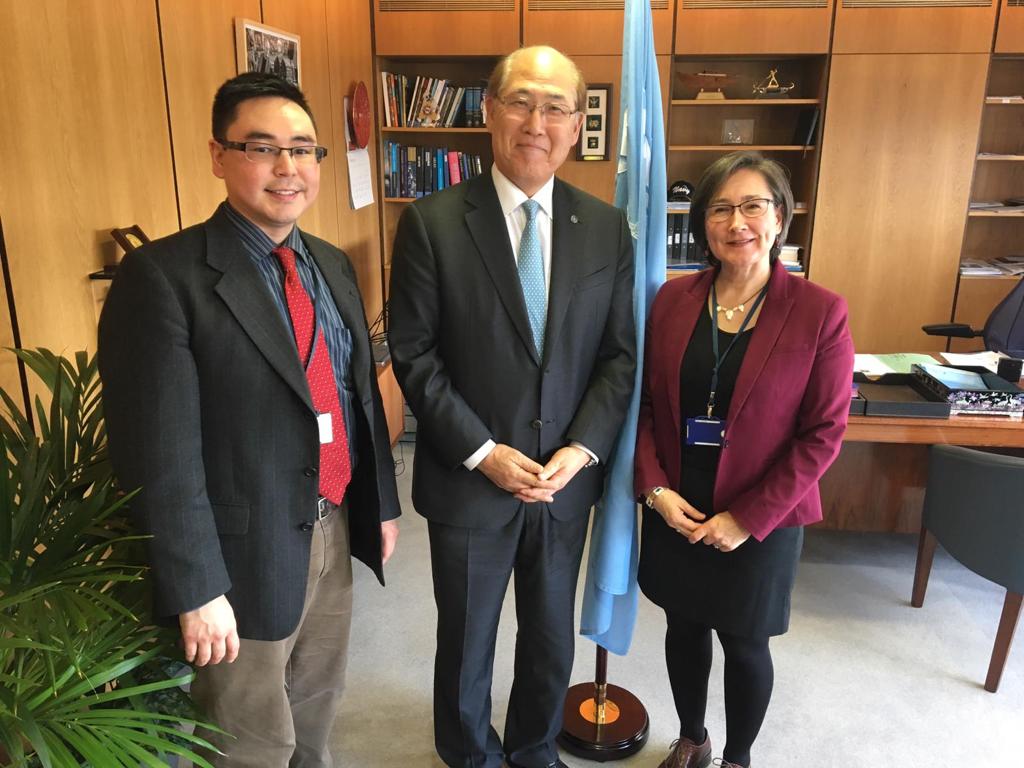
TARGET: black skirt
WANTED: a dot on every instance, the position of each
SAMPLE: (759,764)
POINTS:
(745,592)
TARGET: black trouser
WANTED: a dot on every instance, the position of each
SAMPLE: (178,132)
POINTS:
(749,676)
(471,569)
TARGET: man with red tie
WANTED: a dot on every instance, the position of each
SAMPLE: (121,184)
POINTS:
(241,398)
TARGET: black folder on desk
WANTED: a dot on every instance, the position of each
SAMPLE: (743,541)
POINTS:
(899,394)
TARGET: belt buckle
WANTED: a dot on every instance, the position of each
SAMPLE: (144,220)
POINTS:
(323,507)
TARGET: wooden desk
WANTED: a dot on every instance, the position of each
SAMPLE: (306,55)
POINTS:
(977,431)
(877,482)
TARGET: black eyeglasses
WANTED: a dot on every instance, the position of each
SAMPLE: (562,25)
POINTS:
(261,152)
(751,209)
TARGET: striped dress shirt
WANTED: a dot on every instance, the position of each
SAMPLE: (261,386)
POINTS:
(259,247)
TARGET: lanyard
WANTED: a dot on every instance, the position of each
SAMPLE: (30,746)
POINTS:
(714,339)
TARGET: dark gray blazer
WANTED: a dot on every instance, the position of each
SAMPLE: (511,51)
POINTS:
(464,356)
(209,413)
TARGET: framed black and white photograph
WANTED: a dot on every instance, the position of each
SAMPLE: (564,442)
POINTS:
(260,48)
(593,144)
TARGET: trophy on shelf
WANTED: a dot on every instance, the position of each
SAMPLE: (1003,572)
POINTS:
(707,84)
(769,87)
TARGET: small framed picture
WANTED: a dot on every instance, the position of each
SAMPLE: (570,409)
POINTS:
(737,131)
(593,144)
(129,238)
(259,48)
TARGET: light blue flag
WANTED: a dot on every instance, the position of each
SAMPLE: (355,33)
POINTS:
(611,594)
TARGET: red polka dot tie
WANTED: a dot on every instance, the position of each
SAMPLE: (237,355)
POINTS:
(335,463)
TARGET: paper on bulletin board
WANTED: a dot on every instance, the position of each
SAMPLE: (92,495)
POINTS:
(360,175)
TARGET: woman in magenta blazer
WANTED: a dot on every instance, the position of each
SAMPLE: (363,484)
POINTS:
(728,464)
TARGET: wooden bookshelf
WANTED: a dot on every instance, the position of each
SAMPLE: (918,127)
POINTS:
(459,70)
(744,102)
(696,127)
(998,175)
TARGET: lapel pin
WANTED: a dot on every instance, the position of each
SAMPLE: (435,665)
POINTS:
(574,219)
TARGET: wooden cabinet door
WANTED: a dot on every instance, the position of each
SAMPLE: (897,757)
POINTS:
(1010,34)
(909,26)
(739,27)
(446,27)
(898,151)
(590,26)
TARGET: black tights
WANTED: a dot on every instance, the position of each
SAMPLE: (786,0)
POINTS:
(748,683)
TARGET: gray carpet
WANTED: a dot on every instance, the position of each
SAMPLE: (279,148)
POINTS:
(862,679)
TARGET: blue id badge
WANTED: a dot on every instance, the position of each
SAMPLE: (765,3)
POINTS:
(705,431)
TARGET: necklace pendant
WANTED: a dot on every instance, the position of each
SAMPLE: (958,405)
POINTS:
(728,314)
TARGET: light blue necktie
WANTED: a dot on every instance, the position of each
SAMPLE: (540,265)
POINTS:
(531,276)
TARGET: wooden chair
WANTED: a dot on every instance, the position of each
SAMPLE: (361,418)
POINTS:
(974,507)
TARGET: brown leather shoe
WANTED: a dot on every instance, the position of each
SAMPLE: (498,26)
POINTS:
(686,754)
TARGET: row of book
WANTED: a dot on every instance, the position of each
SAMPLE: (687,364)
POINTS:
(430,102)
(413,171)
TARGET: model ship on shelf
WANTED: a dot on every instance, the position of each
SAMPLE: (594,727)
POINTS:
(770,88)
(708,85)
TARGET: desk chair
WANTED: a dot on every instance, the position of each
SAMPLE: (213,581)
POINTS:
(1003,331)
(973,507)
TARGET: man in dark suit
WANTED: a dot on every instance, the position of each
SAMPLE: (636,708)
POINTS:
(512,337)
(241,397)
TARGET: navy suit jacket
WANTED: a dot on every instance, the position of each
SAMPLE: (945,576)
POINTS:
(788,411)
(464,355)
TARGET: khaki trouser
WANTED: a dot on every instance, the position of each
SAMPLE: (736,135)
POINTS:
(278,699)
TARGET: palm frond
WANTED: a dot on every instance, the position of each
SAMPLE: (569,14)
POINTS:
(82,667)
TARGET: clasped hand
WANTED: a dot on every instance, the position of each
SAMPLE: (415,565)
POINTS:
(528,480)
(723,531)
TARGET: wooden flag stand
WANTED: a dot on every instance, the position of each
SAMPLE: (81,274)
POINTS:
(603,722)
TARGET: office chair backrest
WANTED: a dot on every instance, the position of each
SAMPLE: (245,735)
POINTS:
(1004,329)
(974,505)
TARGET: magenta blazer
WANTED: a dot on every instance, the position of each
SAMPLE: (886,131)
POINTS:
(788,411)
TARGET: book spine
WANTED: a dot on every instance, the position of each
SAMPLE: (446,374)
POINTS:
(453,164)
(385,90)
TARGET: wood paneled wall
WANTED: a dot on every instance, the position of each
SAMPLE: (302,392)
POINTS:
(898,152)
(350,56)
(1010,35)
(914,30)
(447,33)
(586,31)
(197,59)
(86,147)
(743,31)
(106,109)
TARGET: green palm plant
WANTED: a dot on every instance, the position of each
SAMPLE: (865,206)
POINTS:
(85,677)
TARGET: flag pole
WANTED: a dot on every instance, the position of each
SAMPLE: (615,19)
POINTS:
(603,722)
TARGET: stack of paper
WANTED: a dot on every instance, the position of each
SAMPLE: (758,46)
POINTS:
(979,267)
